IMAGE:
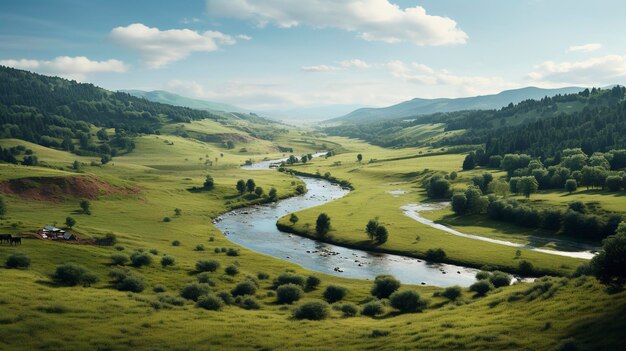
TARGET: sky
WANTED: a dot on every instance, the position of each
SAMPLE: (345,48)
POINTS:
(271,55)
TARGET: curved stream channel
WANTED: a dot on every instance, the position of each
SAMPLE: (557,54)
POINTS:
(255,228)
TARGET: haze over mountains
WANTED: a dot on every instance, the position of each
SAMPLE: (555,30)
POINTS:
(165,97)
(420,106)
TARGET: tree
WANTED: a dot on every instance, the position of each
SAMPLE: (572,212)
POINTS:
(571,185)
(384,286)
(76,165)
(381,234)
(407,301)
(470,161)
(250,185)
(370,228)
(85,205)
(209,183)
(230,144)
(609,266)
(258,191)
(614,183)
(289,293)
(293,219)
(499,187)
(359,157)
(438,187)
(322,225)
(241,186)
(527,185)
(273,194)
(3,207)
(70,222)
(334,293)
(453,175)
(459,203)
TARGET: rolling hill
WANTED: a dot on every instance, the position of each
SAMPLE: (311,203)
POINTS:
(419,106)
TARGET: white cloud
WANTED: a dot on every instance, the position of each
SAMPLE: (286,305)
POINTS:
(68,67)
(244,37)
(421,74)
(356,63)
(373,20)
(162,47)
(585,48)
(319,68)
(601,70)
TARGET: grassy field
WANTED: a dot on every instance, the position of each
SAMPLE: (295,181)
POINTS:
(35,313)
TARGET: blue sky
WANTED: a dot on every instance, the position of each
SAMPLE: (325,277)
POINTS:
(280,54)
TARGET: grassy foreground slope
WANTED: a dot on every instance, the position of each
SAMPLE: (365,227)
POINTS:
(35,313)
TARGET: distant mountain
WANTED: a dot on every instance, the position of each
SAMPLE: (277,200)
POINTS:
(419,106)
(165,97)
(310,114)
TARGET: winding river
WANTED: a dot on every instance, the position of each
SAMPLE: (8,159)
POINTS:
(255,228)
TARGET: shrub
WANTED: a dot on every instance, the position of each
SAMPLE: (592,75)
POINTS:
(109,239)
(373,308)
(334,293)
(452,292)
(154,251)
(482,275)
(315,311)
(172,300)
(193,291)
(167,261)
(481,287)
(216,250)
(131,283)
(436,255)
(119,248)
(210,302)
(175,243)
(226,297)
(349,310)
(199,247)
(119,259)
(499,279)
(159,288)
(232,252)
(289,278)
(167,219)
(246,287)
(525,267)
(384,286)
(231,270)
(289,293)
(312,282)
(322,224)
(18,260)
(71,274)
(250,303)
(207,265)
(139,259)
(205,278)
(263,276)
(407,301)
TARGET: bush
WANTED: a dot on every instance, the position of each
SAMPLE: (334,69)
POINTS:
(263,276)
(171,300)
(154,251)
(312,282)
(119,259)
(525,267)
(289,278)
(167,219)
(499,279)
(289,293)
(210,302)
(193,291)
(436,255)
(18,260)
(167,261)
(159,288)
(452,292)
(109,239)
(207,265)
(315,311)
(232,252)
(246,287)
(131,283)
(481,287)
(205,278)
(482,275)
(250,303)
(232,270)
(226,297)
(407,301)
(384,286)
(71,274)
(334,293)
(139,259)
(175,243)
(349,310)
(199,247)
(372,309)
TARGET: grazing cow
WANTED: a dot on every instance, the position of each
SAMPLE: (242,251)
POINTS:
(5,237)
(16,241)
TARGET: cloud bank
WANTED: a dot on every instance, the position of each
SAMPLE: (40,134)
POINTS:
(68,67)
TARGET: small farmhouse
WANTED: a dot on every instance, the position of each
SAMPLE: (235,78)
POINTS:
(51,232)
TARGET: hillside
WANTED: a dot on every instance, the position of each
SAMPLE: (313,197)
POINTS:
(419,106)
(165,97)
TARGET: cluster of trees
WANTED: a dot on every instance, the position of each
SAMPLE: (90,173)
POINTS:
(376,231)
(8,155)
(437,186)
(304,159)
(56,112)
(251,187)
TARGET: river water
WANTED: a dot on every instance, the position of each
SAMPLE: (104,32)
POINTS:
(255,228)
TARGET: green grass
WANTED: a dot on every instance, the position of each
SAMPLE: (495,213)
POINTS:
(36,314)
